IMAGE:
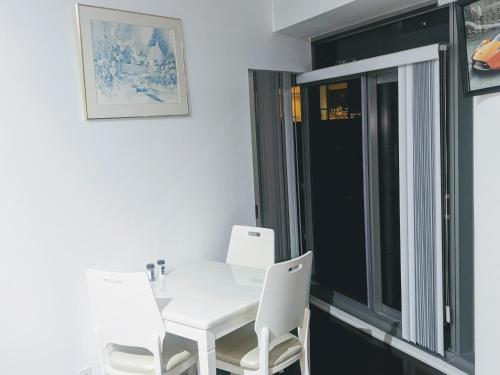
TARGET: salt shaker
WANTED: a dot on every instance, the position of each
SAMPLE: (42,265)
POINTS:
(150,268)
(161,269)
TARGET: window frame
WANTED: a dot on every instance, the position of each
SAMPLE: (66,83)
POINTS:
(375,256)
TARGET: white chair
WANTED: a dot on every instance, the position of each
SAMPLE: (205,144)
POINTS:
(251,247)
(267,346)
(129,327)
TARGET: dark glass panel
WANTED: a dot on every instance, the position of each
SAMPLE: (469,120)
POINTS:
(388,171)
(336,162)
(412,32)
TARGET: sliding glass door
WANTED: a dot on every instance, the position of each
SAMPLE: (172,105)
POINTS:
(337,188)
(350,162)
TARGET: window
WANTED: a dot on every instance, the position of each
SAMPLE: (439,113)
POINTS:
(348,161)
(336,179)
(351,168)
(384,300)
(378,228)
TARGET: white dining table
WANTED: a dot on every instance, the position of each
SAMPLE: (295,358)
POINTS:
(203,301)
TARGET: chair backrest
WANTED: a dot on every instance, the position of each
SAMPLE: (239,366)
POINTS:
(125,310)
(285,296)
(251,247)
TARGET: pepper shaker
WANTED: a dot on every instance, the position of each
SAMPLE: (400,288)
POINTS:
(161,269)
(150,268)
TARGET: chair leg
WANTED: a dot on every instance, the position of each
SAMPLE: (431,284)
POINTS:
(305,367)
(304,363)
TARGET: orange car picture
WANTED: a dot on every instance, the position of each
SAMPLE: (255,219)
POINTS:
(487,55)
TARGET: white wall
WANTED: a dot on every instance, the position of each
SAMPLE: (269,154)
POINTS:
(487,233)
(75,194)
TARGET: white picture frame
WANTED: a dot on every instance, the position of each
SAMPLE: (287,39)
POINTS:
(132,64)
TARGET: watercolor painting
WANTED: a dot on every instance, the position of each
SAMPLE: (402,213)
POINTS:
(133,64)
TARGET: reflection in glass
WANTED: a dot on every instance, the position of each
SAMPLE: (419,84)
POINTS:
(296,104)
(334,102)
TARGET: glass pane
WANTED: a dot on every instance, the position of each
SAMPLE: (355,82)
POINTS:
(388,171)
(336,157)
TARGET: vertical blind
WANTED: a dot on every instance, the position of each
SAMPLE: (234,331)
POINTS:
(420,192)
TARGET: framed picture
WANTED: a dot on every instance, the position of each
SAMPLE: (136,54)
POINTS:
(479,37)
(133,64)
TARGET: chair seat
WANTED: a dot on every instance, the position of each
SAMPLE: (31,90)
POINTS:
(240,348)
(138,361)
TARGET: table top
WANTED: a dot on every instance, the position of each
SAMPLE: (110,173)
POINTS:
(203,294)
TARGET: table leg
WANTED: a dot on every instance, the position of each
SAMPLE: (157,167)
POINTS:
(206,354)
(206,365)
(206,345)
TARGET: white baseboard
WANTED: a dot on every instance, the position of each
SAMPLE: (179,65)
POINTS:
(401,345)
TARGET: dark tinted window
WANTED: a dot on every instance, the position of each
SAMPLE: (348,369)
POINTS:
(388,179)
(416,31)
(336,162)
